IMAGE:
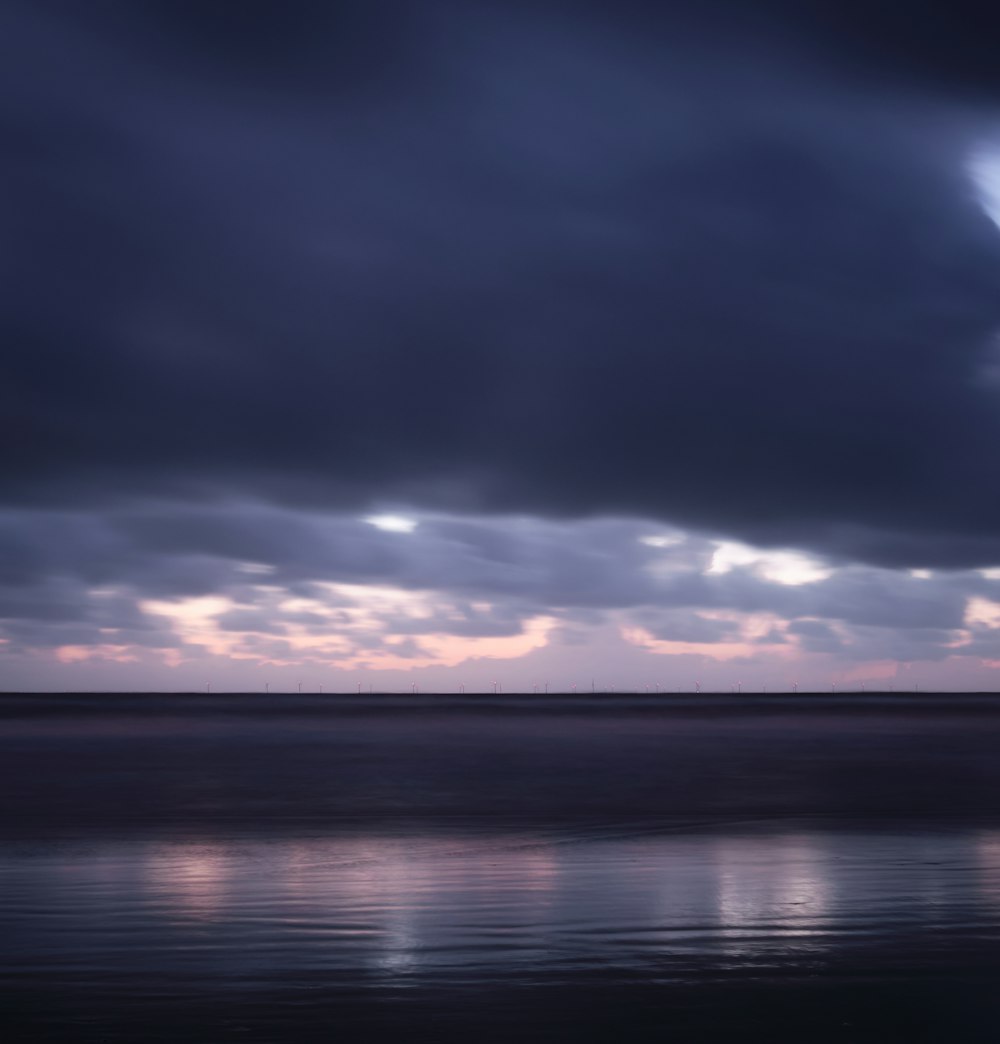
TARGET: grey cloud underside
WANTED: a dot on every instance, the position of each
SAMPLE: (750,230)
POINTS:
(501,258)
(72,579)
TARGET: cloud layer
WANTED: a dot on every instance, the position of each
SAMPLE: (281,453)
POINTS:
(271,587)
(619,305)
(505,260)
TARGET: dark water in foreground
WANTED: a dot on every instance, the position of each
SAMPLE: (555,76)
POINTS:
(178,868)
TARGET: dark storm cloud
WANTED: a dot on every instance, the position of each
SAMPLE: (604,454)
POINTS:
(946,47)
(728,272)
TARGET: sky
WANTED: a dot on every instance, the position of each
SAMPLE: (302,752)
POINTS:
(391,344)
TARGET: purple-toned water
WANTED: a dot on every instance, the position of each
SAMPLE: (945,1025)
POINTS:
(242,868)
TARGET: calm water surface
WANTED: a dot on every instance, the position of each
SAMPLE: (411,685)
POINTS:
(661,871)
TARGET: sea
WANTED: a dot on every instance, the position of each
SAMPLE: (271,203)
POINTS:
(810,868)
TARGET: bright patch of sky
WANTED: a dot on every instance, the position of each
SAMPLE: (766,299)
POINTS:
(661,540)
(983,612)
(392,523)
(780,567)
(984,169)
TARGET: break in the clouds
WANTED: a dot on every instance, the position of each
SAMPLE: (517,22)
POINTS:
(722,271)
(259,591)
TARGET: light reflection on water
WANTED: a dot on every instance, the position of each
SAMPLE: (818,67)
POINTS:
(781,881)
(402,908)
